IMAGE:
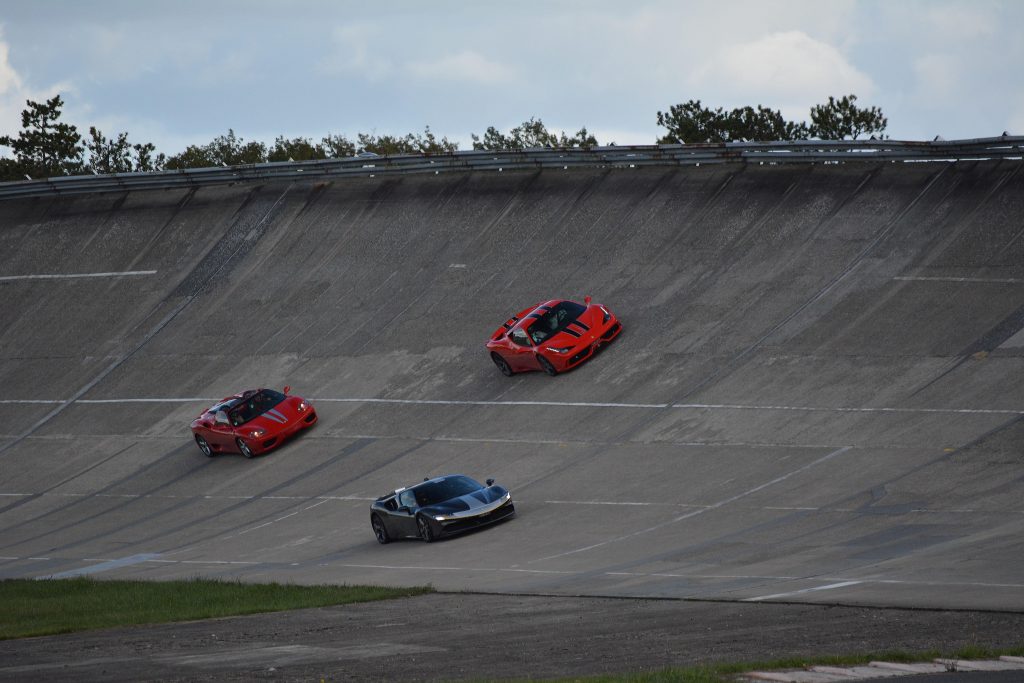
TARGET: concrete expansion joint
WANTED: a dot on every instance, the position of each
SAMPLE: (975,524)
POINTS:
(876,670)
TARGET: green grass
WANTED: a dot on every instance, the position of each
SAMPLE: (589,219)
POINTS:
(726,673)
(47,607)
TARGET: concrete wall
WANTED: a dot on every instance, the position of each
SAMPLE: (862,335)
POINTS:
(817,394)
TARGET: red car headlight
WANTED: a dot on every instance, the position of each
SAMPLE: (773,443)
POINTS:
(256,434)
(563,349)
(302,406)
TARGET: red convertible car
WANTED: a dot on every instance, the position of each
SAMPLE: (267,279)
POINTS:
(552,336)
(251,422)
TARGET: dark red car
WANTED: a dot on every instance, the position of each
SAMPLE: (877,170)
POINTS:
(552,336)
(252,422)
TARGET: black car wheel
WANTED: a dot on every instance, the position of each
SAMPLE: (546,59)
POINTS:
(204,446)
(244,448)
(546,366)
(502,364)
(423,526)
(379,530)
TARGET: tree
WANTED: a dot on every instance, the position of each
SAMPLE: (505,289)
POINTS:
(529,134)
(842,119)
(224,150)
(108,156)
(296,149)
(338,146)
(144,159)
(408,144)
(44,148)
(691,122)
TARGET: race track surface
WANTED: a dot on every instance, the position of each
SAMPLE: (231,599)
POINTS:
(817,395)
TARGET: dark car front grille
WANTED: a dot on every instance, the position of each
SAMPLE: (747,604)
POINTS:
(501,513)
(610,332)
(579,356)
(311,418)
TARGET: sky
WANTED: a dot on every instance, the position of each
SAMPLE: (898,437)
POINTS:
(181,72)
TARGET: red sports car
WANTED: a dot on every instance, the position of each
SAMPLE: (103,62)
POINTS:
(552,336)
(252,422)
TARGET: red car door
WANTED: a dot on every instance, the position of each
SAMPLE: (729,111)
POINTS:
(220,435)
(521,354)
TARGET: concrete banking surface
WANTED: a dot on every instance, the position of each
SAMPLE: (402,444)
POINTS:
(817,395)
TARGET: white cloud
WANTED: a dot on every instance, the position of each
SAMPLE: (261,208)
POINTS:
(938,75)
(352,51)
(789,68)
(960,23)
(466,66)
(14,93)
(9,79)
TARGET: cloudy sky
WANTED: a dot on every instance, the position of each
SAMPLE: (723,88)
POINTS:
(184,71)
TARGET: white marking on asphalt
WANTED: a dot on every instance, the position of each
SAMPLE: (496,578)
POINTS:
(995,280)
(699,511)
(563,404)
(103,566)
(66,276)
(456,569)
(830,586)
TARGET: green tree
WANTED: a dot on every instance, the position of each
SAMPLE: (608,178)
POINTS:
(108,156)
(691,122)
(408,144)
(144,159)
(338,146)
(224,150)
(842,119)
(296,149)
(45,147)
(529,134)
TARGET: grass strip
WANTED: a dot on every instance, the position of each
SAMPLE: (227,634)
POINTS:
(727,673)
(52,606)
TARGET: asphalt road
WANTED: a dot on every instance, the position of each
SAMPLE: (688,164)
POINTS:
(475,637)
(816,397)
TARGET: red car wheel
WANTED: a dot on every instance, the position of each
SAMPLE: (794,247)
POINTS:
(546,366)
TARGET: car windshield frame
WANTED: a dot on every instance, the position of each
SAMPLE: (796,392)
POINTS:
(438,491)
(548,324)
(253,405)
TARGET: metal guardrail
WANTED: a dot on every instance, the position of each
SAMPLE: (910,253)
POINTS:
(834,152)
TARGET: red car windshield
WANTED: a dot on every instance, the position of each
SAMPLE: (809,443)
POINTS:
(254,405)
(555,320)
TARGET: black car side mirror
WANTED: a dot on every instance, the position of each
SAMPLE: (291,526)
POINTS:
(490,482)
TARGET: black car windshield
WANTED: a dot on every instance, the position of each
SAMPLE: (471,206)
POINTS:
(435,492)
(555,320)
(254,405)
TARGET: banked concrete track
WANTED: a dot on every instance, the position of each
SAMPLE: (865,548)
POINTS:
(818,395)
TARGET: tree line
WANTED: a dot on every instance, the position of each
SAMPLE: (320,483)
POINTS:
(47,147)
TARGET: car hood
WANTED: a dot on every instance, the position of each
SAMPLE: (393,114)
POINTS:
(470,502)
(583,330)
(274,419)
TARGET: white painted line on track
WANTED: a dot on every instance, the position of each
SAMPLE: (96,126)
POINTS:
(68,276)
(993,280)
(699,511)
(563,404)
(830,586)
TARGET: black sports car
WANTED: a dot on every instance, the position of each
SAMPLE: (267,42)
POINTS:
(439,507)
